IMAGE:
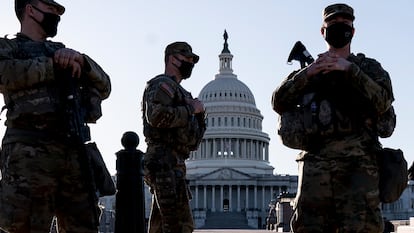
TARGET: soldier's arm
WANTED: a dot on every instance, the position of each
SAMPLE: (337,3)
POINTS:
(286,95)
(160,111)
(16,74)
(374,83)
(97,77)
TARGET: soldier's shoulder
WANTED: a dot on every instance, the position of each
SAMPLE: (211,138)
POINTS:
(164,83)
(370,66)
(162,78)
(55,44)
(7,42)
(362,58)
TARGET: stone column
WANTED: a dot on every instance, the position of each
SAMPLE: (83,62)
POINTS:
(214,148)
(196,196)
(261,148)
(237,148)
(222,147)
(247,197)
(263,197)
(243,148)
(238,198)
(213,198)
(252,154)
(202,149)
(271,192)
(221,198)
(230,199)
(205,198)
(256,150)
(208,148)
(255,196)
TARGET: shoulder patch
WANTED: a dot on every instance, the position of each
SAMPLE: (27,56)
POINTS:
(167,89)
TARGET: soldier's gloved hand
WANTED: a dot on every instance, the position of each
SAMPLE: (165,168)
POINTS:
(69,58)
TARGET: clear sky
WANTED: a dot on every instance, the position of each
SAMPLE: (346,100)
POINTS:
(127,38)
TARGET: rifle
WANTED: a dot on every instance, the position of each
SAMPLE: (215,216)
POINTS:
(92,163)
(78,133)
(299,53)
(77,129)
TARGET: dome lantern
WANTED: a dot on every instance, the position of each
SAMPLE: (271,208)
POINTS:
(226,57)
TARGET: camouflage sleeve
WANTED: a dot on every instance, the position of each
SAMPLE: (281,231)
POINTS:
(374,83)
(286,95)
(16,74)
(97,77)
(160,109)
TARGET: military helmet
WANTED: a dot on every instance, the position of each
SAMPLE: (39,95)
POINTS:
(19,5)
(338,9)
(183,48)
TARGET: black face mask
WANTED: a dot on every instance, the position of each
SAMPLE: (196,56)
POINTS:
(49,23)
(185,69)
(338,35)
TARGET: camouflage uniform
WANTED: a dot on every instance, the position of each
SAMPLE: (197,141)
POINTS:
(171,132)
(338,184)
(41,175)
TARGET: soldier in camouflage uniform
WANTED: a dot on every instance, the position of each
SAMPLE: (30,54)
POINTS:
(173,126)
(40,165)
(338,172)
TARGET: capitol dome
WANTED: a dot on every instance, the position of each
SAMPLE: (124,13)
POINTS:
(227,88)
(234,136)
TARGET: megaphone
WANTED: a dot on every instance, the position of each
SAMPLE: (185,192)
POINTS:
(299,53)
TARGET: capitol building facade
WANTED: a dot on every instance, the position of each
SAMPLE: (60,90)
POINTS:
(230,172)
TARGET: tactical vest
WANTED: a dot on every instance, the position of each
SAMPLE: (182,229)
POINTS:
(331,108)
(36,106)
(182,139)
(40,106)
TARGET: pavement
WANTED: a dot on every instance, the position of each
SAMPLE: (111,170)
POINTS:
(231,231)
